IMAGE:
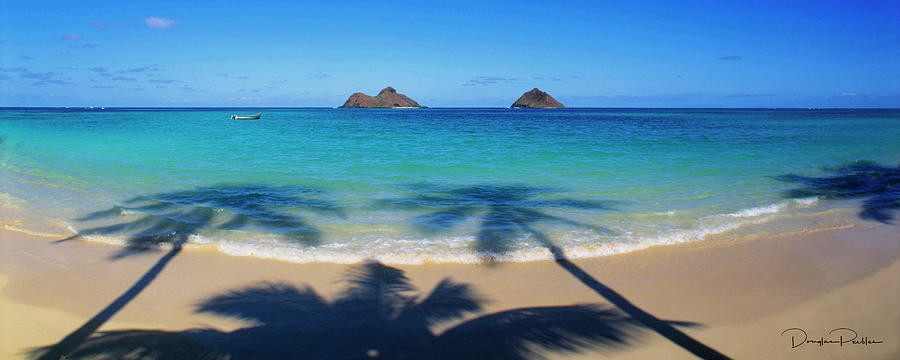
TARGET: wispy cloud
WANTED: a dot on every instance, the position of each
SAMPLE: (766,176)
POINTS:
(37,75)
(141,69)
(855,95)
(52,81)
(319,76)
(103,25)
(633,97)
(190,89)
(182,101)
(486,80)
(731,57)
(159,23)
(71,37)
(162,81)
(100,25)
(89,45)
(243,77)
(748,95)
(26,57)
(244,98)
(13,69)
(103,87)
(61,67)
(98,69)
(122,78)
(4,77)
(43,78)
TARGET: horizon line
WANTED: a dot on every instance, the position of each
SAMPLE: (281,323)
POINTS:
(442,107)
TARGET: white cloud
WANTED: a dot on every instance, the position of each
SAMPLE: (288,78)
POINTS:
(159,23)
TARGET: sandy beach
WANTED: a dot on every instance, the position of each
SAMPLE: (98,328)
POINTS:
(740,291)
(497,180)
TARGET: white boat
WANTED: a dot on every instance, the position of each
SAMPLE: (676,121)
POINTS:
(245,117)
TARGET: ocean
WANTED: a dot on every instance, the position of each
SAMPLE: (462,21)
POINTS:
(422,185)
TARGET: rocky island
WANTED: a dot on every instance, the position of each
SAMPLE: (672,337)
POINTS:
(387,98)
(535,98)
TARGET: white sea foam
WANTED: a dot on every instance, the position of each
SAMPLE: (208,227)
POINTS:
(8,201)
(774,208)
(758,211)
(458,249)
(397,248)
(193,241)
(24,230)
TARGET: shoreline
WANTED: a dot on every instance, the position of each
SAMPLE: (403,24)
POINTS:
(585,244)
(730,283)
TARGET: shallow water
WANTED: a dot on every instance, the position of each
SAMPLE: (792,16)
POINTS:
(414,185)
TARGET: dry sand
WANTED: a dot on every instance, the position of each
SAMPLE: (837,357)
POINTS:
(745,290)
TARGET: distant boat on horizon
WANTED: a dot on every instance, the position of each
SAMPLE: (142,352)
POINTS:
(245,117)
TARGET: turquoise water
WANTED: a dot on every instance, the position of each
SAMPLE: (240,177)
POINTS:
(413,185)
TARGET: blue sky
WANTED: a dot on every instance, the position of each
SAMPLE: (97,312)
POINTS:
(459,53)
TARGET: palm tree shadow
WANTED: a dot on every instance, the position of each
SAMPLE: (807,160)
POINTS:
(378,315)
(167,220)
(507,212)
(878,186)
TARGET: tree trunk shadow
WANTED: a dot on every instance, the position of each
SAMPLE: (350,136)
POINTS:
(171,218)
(661,327)
(507,212)
(77,337)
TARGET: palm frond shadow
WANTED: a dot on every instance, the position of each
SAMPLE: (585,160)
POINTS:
(877,185)
(506,212)
(168,219)
(379,315)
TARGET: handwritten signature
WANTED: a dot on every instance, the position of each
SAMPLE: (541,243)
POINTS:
(837,336)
